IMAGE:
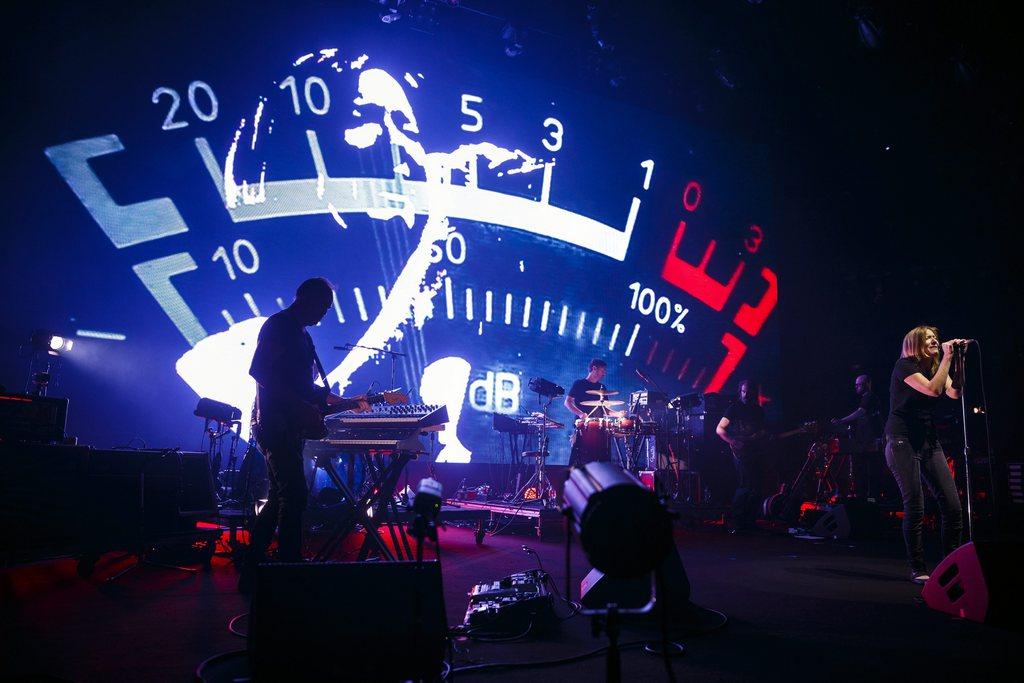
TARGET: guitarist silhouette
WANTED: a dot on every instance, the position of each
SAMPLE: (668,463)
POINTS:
(289,407)
(743,428)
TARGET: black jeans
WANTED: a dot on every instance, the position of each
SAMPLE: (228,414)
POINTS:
(749,489)
(908,466)
(286,502)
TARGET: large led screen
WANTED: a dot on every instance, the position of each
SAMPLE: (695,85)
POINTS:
(488,225)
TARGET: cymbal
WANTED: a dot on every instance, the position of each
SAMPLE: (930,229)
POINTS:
(603,404)
(602,392)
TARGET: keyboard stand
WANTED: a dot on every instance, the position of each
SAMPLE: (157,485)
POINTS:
(378,467)
(383,472)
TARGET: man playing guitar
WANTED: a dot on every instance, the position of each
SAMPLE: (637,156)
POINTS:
(743,428)
(289,407)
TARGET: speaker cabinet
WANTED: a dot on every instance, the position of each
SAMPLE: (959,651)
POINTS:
(347,621)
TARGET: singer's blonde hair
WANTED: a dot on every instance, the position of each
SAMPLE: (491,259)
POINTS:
(915,346)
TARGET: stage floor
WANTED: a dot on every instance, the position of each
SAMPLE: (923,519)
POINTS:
(812,610)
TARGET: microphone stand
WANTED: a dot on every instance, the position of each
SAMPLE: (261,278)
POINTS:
(394,355)
(959,353)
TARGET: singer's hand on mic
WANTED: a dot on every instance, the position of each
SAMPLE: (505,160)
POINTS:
(947,347)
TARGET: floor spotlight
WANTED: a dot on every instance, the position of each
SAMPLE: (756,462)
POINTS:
(626,533)
(625,530)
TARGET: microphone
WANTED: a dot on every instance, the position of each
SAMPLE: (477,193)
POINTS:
(642,376)
(963,344)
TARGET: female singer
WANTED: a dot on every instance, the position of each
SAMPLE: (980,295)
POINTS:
(912,449)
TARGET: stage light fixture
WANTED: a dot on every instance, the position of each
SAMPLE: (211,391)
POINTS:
(46,341)
(625,530)
(867,28)
(390,12)
(511,34)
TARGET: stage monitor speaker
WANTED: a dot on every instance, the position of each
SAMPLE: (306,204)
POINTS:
(833,524)
(347,621)
(979,581)
(852,519)
(597,591)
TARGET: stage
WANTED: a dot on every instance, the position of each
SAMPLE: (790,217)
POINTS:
(334,261)
(814,610)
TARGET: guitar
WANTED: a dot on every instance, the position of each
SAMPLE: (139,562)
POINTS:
(306,420)
(312,422)
(761,437)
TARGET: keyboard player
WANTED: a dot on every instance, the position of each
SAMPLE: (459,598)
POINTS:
(284,366)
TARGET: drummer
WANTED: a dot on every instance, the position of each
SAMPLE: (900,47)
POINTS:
(588,445)
(581,391)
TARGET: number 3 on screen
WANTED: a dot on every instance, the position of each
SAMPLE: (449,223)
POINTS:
(556,134)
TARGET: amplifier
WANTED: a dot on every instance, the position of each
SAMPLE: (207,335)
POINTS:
(132,495)
(32,419)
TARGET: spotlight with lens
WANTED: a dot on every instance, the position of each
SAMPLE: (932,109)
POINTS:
(625,530)
(44,340)
(43,353)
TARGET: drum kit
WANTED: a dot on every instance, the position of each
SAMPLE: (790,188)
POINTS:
(638,438)
(602,417)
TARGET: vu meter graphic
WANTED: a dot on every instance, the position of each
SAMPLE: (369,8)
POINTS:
(487,238)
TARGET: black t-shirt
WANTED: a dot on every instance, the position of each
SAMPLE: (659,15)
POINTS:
(578,392)
(283,364)
(745,419)
(910,411)
(866,429)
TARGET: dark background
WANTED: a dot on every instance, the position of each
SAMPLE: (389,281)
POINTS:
(891,130)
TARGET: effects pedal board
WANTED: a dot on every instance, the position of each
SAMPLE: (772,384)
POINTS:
(515,604)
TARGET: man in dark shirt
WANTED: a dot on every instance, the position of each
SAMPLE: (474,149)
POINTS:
(588,445)
(578,392)
(865,442)
(742,427)
(284,366)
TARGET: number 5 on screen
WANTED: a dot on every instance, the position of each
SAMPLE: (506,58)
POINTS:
(471,113)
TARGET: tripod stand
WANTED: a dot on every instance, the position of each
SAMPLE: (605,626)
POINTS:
(545,490)
(215,455)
